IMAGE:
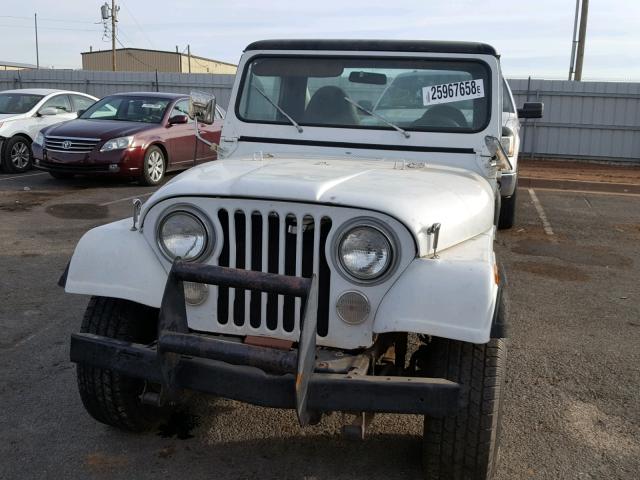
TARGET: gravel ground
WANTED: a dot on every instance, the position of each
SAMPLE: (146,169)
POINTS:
(572,402)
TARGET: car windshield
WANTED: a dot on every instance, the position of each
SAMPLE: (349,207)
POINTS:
(18,102)
(128,109)
(413,94)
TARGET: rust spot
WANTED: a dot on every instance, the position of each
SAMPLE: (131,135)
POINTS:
(102,462)
(550,270)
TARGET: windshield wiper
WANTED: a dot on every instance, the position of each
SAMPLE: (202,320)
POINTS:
(277,107)
(379,117)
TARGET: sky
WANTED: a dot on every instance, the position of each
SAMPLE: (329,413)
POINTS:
(533,37)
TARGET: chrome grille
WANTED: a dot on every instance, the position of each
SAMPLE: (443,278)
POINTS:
(70,144)
(271,242)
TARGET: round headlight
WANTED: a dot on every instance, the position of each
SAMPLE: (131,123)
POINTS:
(365,252)
(182,234)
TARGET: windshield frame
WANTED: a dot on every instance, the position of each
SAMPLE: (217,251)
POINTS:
(170,103)
(435,59)
(23,94)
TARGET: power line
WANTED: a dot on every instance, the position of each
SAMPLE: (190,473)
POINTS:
(30,27)
(137,24)
(48,19)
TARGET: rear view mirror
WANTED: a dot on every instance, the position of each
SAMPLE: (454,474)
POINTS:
(81,111)
(368,78)
(202,106)
(48,111)
(531,110)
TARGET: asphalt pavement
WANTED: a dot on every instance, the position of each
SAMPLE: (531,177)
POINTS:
(572,404)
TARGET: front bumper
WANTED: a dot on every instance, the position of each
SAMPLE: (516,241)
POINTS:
(127,162)
(262,376)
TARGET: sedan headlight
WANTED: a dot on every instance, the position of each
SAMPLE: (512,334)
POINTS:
(39,140)
(182,234)
(117,144)
(365,252)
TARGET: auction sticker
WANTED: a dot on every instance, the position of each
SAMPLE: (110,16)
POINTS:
(452,92)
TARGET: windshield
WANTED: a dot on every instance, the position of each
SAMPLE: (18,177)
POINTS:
(128,109)
(18,102)
(414,95)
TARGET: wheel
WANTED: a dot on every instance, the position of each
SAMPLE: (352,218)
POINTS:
(16,155)
(154,166)
(112,398)
(466,445)
(507,212)
(61,175)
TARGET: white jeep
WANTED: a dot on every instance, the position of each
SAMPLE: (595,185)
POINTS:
(339,258)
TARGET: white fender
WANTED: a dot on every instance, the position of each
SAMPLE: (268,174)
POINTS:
(113,261)
(453,296)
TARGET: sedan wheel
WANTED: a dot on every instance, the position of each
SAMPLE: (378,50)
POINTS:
(154,166)
(17,155)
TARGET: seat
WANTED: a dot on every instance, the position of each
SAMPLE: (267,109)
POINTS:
(442,116)
(328,106)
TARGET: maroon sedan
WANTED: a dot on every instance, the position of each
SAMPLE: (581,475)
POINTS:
(133,135)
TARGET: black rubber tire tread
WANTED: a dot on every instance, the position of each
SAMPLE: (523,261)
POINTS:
(61,175)
(7,165)
(508,212)
(110,397)
(466,446)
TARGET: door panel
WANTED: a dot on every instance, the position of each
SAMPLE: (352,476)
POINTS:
(181,139)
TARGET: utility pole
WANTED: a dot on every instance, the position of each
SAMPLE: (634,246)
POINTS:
(584,11)
(111,13)
(113,34)
(35,19)
(574,40)
(189,56)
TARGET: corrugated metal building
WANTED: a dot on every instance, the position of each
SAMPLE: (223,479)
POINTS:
(15,66)
(141,60)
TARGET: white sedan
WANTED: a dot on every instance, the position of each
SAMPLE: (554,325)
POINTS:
(24,112)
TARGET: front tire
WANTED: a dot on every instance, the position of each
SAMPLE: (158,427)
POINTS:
(154,166)
(112,398)
(507,212)
(466,446)
(16,155)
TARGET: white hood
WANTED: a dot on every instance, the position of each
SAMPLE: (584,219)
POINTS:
(10,116)
(417,195)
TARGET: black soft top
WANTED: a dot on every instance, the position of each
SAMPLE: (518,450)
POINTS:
(430,46)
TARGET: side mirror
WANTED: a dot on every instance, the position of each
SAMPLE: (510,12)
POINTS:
(531,110)
(81,111)
(202,106)
(48,111)
(178,119)
(496,150)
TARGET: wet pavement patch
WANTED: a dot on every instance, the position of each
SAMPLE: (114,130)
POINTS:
(179,425)
(24,201)
(78,211)
(557,272)
(592,255)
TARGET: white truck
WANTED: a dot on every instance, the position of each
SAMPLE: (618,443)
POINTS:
(338,258)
